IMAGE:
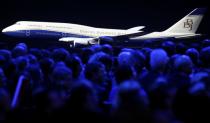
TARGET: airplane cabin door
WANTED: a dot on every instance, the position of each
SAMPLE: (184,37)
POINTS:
(28,33)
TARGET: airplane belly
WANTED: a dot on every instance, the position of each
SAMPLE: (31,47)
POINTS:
(20,33)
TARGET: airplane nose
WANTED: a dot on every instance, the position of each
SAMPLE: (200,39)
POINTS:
(4,30)
(8,29)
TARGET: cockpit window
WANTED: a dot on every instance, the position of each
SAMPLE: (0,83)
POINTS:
(17,23)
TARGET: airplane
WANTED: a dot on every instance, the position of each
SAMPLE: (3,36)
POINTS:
(184,28)
(67,32)
(81,34)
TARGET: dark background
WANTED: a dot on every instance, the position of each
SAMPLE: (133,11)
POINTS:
(156,15)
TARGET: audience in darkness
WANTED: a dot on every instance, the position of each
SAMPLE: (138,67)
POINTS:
(100,83)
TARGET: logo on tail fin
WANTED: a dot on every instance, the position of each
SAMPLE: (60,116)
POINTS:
(188,24)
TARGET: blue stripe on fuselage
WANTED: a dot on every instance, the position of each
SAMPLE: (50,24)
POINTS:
(43,34)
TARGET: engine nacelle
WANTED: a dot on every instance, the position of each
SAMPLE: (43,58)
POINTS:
(88,41)
(79,41)
(106,40)
(93,41)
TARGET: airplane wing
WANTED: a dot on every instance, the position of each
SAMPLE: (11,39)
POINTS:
(137,28)
(77,40)
(98,40)
(132,32)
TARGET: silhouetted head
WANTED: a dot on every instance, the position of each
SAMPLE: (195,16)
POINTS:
(203,77)
(181,48)
(146,51)
(169,47)
(107,49)
(62,76)
(95,72)
(184,64)
(135,58)
(32,59)
(158,60)
(75,63)
(46,65)
(171,62)
(199,77)
(45,53)
(124,72)
(103,58)
(126,57)
(96,48)
(10,69)
(193,54)
(85,54)
(36,52)
(206,42)
(35,74)
(205,57)
(131,94)
(6,53)
(60,54)
(131,103)
(21,63)
(96,57)
(19,50)
(191,103)
(140,61)
(83,97)
(159,94)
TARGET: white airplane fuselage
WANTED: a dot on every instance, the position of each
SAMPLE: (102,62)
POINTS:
(60,30)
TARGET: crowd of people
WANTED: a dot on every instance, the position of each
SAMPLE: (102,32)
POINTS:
(167,84)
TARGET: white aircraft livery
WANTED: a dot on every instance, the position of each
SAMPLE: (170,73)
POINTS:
(185,28)
(81,34)
(65,31)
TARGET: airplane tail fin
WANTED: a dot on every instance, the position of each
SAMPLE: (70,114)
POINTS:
(188,24)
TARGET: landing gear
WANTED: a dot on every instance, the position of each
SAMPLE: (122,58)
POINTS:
(71,44)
